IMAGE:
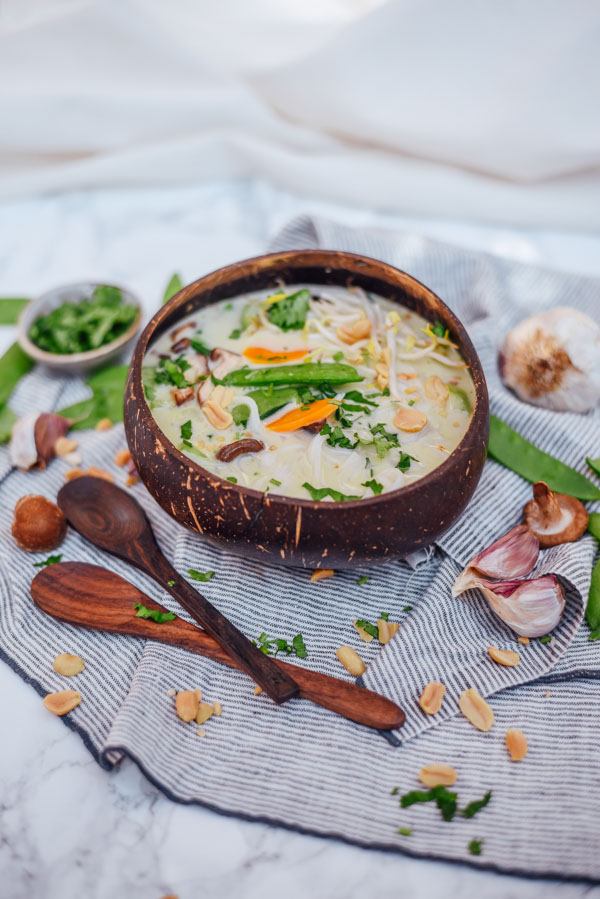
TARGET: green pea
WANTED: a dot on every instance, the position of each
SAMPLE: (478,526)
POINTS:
(515,452)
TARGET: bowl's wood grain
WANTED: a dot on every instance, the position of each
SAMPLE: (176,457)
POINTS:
(297,531)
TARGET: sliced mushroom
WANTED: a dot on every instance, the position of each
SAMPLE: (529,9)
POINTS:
(175,334)
(182,394)
(554,517)
(198,367)
(316,426)
(233,450)
(226,362)
(181,345)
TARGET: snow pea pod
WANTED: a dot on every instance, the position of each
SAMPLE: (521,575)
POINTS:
(594,525)
(515,452)
(10,309)
(305,373)
(592,611)
(594,465)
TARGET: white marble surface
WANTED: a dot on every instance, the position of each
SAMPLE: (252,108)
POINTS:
(69,829)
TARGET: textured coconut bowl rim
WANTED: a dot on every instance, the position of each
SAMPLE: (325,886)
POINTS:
(388,273)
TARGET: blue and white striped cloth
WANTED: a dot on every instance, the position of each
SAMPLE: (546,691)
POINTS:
(303,767)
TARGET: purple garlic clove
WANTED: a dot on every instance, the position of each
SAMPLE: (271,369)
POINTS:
(531,608)
(512,555)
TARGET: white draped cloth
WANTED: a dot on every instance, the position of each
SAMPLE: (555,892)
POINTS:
(480,111)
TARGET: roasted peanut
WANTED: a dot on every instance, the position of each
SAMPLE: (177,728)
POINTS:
(63,702)
(217,416)
(73,473)
(387,629)
(222,395)
(218,708)
(96,472)
(432,697)
(68,665)
(475,709)
(436,390)
(351,660)
(122,457)
(321,573)
(437,774)
(383,375)
(524,641)
(516,743)
(410,420)
(205,711)
(64,445)
(105,424)
(186,705)
(504,656)
(357,331)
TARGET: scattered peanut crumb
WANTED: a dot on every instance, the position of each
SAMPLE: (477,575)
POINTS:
(200,732)
(73,473)
(367,638)
(64,445)
(476,710)
(321,573)
(437,774)
(205,711)
(105,424)
(524,641)
(131,480)
(516,743)
(73,459)
(432,697)
(257,690)
(504,656)
(351,660)
(96,472)
(68,665)
(218,708)
(387,629)
(171,692)
(62,702)
(186,705)
(548,693)
(122,457)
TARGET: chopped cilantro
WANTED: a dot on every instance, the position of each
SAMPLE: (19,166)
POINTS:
(438,329)
(240,415)
(385,616)
(382,440)
(228,306)
(232,479)
(404,831)
(411,402)
(546,639)
(235,334)
(338,357)
(473,807)
(49,561)
(200,347)
(407,609)
(319,493)
(274,645)
(170,583)
(171,371)
(395,791)
(444,799)
(375,486)
(200,575)
(474,847)
(404,461)
(289,313)
(154,614)
(186,430)
(368,628)
(336,437)
(362,580)
(357,397)
(275,482)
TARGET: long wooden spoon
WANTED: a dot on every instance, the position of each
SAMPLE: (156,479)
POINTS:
(92,597)
(113,520)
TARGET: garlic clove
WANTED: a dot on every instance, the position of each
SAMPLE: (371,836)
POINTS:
(512,555)
(554,517)
(23,451)
(48,428)
(553,360)
(531,608)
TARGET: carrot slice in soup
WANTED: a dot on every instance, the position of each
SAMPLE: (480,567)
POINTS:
(305,415)
(259,355)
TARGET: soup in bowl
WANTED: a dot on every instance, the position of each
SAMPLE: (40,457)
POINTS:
(313,408)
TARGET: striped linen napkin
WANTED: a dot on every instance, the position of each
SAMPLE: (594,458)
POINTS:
(303,767)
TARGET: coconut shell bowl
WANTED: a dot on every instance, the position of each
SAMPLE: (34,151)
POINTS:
(302,532)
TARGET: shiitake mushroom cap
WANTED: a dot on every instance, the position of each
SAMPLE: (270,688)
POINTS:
(554,518)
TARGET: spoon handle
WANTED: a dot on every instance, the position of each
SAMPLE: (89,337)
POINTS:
(274,680)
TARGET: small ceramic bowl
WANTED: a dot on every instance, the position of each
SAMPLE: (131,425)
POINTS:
(293,531)
(74,363)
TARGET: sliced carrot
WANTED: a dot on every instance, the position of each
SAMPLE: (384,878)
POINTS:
(259,355)
(305,415)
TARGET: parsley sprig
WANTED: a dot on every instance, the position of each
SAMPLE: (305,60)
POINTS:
(274,645)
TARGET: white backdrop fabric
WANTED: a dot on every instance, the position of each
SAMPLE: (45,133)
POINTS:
(480,111)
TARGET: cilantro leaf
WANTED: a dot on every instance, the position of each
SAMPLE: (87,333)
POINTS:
(200,575)
(232,479)
(369,628)
(474,847)
(319,493)
(174,286)
(240,415)
(375,486)
(404,461)
(362,580)
(336,437)
(473,807)
(267,644)
(196,344)
(299,646)
(404,831)
(546,639)
(154,614)
(289,313)
(49,561)
(438,329)
(385,616)
(186,430)
(444,799)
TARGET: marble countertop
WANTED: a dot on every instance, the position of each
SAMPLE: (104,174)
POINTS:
(68,828)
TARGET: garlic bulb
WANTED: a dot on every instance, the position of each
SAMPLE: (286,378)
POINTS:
(553,360)
(512,555)
(531,608)
(33,439)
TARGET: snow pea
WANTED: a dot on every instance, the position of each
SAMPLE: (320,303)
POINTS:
(594,525)
(304,373)
(594,465)
(268,400)
(10,309)
(592,611)
(515,452)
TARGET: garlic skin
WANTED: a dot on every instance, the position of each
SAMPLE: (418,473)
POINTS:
(531,608)
(553,360)
(23,449)
(512,555)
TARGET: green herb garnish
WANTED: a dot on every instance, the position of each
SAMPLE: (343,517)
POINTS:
(240,415)
(362,580)
(170,583)
(385,616)
(51,560)
(289,313)
(404,461)
(473,807)
(186,430)
(320,493)
(444,799)
(154,614)
(438,329)
(274,645)
(407,609)
(196,344)
(235,334)
(232,480)
(200,575)
(275,482)
(546,639)
(336,437)
(337,357)
(367,627)
(474,847)
(174,285)
(85,325)
(375,486)
(404,831)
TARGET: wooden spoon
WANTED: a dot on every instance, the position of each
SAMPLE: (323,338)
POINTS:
(113,520)
(92,597)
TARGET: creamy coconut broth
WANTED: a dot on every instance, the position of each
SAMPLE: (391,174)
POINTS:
(315,392)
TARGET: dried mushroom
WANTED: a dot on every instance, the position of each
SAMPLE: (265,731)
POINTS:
(554,517)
